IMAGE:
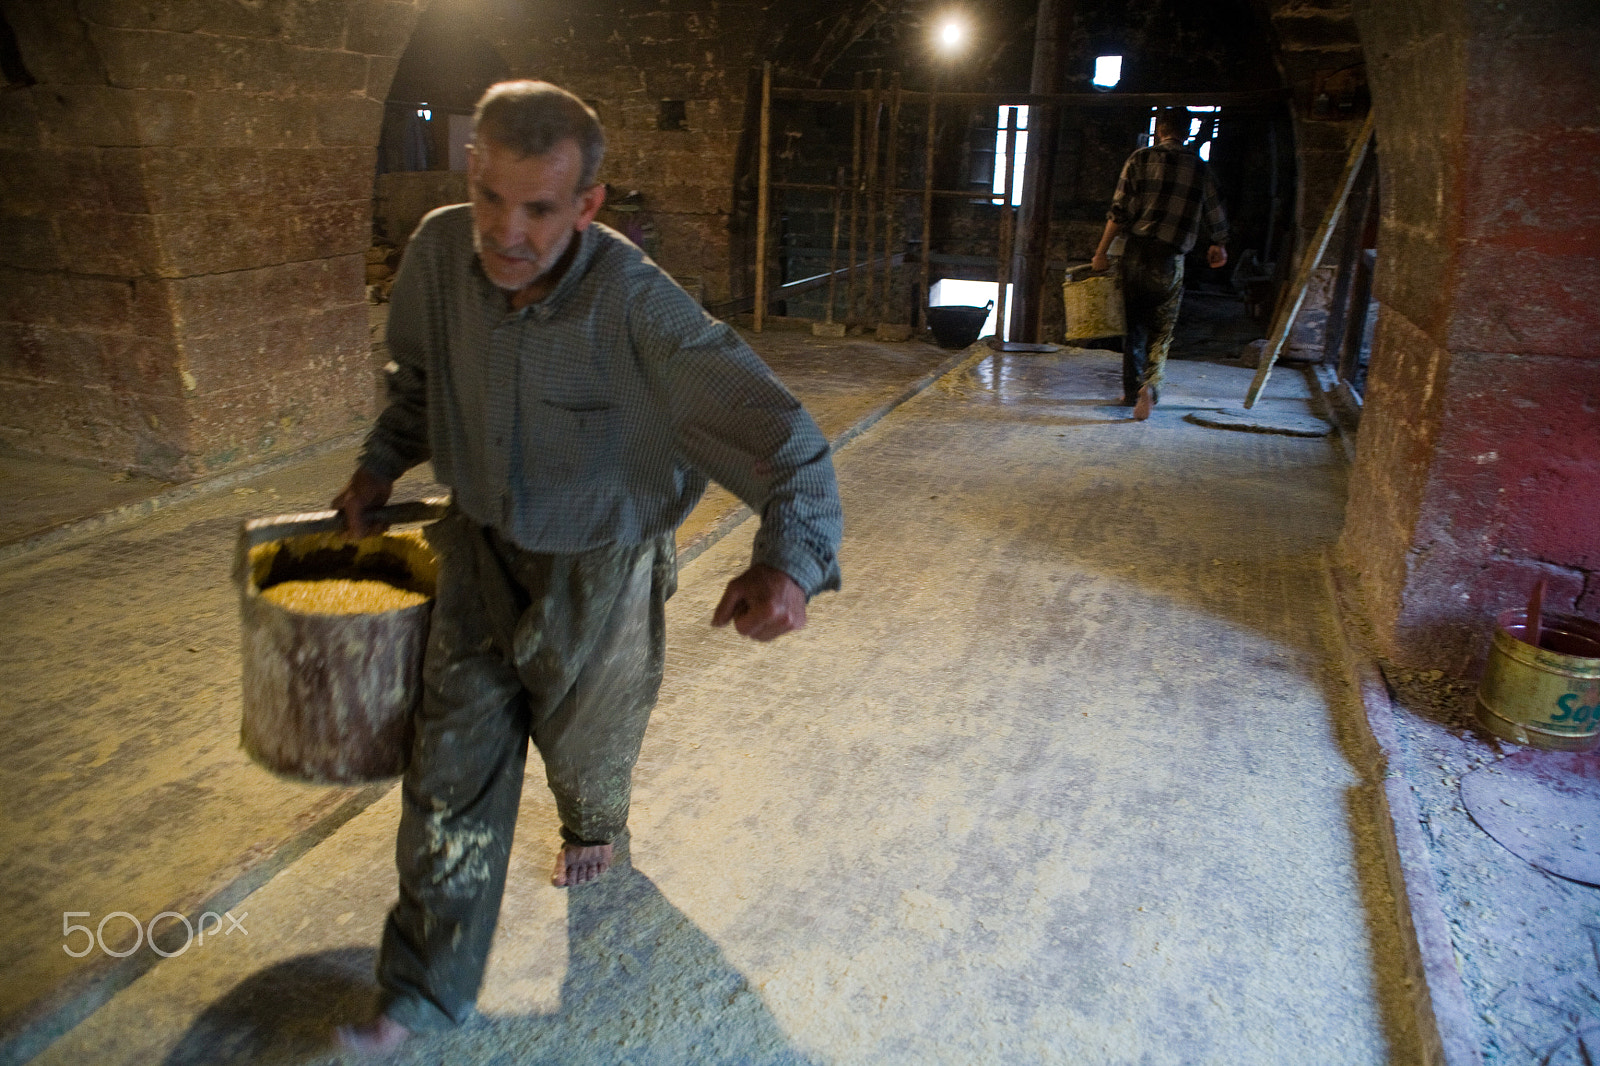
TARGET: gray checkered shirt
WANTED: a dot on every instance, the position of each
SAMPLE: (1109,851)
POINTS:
(1166,192)
(595,415)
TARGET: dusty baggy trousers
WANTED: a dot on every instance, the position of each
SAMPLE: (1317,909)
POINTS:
(566,650)
(1152,290)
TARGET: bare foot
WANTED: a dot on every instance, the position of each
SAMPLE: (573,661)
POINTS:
(1141,407)
(576,864)
(381,1036)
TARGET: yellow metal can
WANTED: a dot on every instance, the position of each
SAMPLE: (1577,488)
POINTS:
(1546,696)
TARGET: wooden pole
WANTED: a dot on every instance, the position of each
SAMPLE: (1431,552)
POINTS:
(874,106)
(764,176)
(833,251)
(1296,294)
(855,204)
(927,219)
(1053,22)
(891,201)
(1005,230)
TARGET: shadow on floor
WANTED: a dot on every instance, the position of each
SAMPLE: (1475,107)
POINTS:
(643,985)
(282,1014)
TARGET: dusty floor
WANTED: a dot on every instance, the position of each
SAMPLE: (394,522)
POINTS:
(119,651)
(1527,943)
(1064,774)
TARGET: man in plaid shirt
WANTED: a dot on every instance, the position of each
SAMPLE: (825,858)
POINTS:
(1163,198)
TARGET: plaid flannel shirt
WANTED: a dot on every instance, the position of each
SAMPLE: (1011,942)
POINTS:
(596,415)
(1165,192)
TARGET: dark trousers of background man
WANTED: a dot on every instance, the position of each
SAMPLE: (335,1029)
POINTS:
(1152,289)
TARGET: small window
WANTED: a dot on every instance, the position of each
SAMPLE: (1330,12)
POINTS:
(1018,164)
(1107,72)
(673,115)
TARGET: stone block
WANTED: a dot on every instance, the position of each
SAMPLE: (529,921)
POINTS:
(349,120)
(155,59)
(253,350)
(217,303)
(163,117)
(43,353)
(31,242)
(253,421)
(47,181)
(95,425)
(19,119)
(269,20)
(319,71)
(109,242)
(202,179)
(238,119)
(257,235)
(405,196)
(316,175)
(208,242)
(1551,74)
(145,366)
(1534,189)
(1518,459)
(72,301)
(126,186)
(1424,290)
(86,115)
(88,359)
(319,231)
(176,16)
(55,45)
(314,23)
(1528,300)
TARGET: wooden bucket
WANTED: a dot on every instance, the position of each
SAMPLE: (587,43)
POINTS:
(328,698)
(1546,696)
(1093,304)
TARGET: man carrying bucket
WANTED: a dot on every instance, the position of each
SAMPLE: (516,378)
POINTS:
(1164,196)
(576,401)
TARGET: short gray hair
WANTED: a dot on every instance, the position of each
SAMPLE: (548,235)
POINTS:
(532,117)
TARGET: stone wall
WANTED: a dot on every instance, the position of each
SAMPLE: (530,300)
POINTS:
(1478,464)
(671,83)
(189,190)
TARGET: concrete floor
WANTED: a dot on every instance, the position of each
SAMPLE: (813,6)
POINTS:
(119,650)
(1066,774)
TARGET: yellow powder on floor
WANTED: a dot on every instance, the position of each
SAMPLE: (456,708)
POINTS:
(341,596)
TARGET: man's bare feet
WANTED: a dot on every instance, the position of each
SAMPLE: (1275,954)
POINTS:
(1146,400)
(381,1036)
(577,864)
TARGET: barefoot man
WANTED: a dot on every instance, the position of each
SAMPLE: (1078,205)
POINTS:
(1164,197)
(576,401)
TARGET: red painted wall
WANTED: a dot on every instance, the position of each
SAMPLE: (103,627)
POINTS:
(1478,471)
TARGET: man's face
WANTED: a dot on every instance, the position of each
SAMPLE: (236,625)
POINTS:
(525,210)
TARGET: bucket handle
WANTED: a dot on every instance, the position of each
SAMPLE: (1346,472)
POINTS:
(256,531)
